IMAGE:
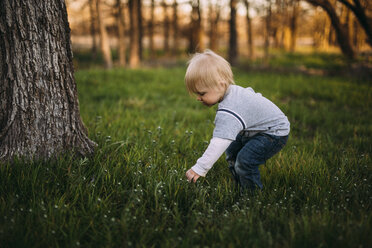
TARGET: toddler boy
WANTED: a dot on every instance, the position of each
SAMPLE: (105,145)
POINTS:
(248,126)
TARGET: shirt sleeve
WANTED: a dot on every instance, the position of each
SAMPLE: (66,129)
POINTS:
(216,148)
(227,126)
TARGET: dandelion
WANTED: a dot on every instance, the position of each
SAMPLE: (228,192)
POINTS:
(77,243)
(112,219)
(195,231)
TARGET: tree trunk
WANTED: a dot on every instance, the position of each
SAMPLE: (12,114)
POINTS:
(105,46)
(39,108)
(93,28)
(249,31)
(140,29)
(134,58)
(214,18)
(175,28)
(267,32)
(121,28)
(195,31)
(293,25)
(233,40)
(151,29)
(165,26)
(359,12)
(341,34)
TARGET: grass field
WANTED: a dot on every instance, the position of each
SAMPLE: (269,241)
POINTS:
(133,192)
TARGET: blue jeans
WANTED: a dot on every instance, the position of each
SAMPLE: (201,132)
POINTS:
(245,154)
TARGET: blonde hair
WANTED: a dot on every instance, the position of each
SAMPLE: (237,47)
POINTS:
(207,69)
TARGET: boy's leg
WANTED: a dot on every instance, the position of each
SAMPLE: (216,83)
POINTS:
(231,153)
(256,151)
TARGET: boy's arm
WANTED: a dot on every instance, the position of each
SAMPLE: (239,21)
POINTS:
(216,148)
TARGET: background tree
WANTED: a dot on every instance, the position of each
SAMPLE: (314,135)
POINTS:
(104,39)
(233,38)
(249,30)
(214,17)
(360,13)
(93,18)
(341,33)
(321,30)
(134,55)
(140,29)
(165,26)
(39,108)
(268,30)
(295,10)
(121,29)
(175,27)
(151,27)
(195,33)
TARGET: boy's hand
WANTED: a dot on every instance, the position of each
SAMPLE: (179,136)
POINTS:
(192,176)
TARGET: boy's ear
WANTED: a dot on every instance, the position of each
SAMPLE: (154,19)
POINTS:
(223,84)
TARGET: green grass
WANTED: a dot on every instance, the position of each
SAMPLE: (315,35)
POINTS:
(133,192)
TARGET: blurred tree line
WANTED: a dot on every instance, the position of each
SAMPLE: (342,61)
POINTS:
(176,26)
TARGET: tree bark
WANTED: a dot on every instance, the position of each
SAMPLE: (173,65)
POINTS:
(121,35)
(195,43)
(360,14)
(175,28)
(249,31)
(151,29)
(293,25)
(165,26)
(93,28)
(267,32)
(341,34)
(39,108)
(233,39)
(214,18)
(104,40)
(134,58)
(140,29)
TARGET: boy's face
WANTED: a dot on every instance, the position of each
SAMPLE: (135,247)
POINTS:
(210,96)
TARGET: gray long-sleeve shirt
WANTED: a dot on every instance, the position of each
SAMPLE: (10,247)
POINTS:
(244,109)
(241,109)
